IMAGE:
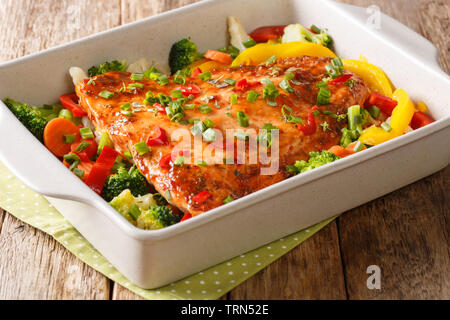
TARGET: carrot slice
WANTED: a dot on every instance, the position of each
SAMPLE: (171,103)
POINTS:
(218,56)
(339,151)
(54,135)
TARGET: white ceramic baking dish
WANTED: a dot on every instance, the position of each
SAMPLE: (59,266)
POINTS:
(154,258)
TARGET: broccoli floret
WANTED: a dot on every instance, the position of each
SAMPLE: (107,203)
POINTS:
(316,159)
(157,217)
(182,54)
(122,180)
(29,116)
(123,204)
(107,67)
(49,112)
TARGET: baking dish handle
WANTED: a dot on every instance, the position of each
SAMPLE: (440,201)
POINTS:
(30,161)
(409,41)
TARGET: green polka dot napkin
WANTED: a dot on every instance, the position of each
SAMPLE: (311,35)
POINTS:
(34,209)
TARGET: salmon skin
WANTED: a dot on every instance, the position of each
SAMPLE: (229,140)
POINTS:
(181,183)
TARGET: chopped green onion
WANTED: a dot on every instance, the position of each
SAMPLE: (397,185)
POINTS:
(347,137)
(271,103)
(168,195)
(66,114)
(142,148)
(71,157)
(202,163)
(386,126)
(179,77)
(125,106)
(179,161)
(198,128)
(104,141)
(69,138)
(230,81)
(83,145)
(242,119)
(135,85)
(193,120)
(106,94)
(270,91)
(79,173)
(205,76)
(252,96)
(358,146)
(91,82)
(189,106)
(354,118)
(324,95)
(336,68)
(286,86)
(233,98)
(241,135)
(289,76)
(135,211)
(249,43)
(265,135)
(208,123)
(374,111)
(204,108)
(315,29)
(228,199)
(128,154)
(137,76)
(210,135)
(73,160)
(163,80)
(176,93)
(86,133)
(271,60)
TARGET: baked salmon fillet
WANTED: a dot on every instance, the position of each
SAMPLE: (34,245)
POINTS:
(147,111)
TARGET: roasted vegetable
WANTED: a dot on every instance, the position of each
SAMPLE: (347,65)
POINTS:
(182,54)
(125,179)
(316,159)
(30,117)
(107,67)
(296,32)
(157,217)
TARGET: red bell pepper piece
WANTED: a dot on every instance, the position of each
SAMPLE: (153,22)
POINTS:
(190,89)
(164,163)
(70,102)
(243,84)
(160,139)
(310,127)
(186,216)
(420,120)
(340,80)
(385,104)
(196,72)
(202,196)
(263,34)
(101,169)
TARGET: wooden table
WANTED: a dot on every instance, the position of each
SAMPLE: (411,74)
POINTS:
(406,233)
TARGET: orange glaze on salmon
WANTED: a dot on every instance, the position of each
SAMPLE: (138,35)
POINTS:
(221,180)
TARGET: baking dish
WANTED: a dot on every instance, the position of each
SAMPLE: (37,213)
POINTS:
(154,258)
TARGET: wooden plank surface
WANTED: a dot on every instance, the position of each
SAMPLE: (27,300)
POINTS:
(32,264)
(406,232)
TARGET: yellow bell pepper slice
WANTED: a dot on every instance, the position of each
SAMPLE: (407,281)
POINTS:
(400,119)
(263,51)
(210,65)
(374,77)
